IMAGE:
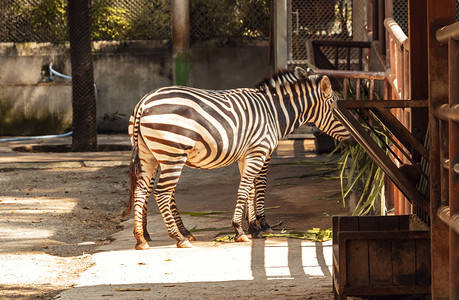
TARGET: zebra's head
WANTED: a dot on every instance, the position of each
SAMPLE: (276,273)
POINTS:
(323,117)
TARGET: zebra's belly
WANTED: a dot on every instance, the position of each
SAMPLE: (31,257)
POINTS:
(201,158)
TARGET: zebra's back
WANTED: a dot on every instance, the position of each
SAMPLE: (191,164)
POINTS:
(208,128)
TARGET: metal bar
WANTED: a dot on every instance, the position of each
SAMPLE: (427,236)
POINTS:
(445,163)
(378,155)
(444,213)
(352,74)
(336,58)
(348,58)
(345,84)
(400,131)
(445,33)
(372,88)
(335,43)
(445,112)
(357,89)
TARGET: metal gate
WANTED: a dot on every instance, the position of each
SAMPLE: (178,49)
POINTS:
(324,20)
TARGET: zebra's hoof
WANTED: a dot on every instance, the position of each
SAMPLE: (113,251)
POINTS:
(242,238)
(185,243)
(191,238)
(142,246)
(257,235)
(268,230)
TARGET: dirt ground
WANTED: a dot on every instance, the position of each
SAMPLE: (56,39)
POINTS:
(53,220)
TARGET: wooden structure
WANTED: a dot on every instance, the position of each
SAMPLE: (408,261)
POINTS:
(421,82)
(360,243)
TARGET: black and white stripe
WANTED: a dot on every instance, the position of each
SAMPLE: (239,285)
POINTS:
(176,126)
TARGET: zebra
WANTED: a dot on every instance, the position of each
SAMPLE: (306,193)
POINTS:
(176,126)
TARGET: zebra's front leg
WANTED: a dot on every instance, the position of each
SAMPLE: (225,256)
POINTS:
(260,188)
(248,168)
(254,228)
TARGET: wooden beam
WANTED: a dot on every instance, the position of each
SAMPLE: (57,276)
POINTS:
(419,89)
(439,13)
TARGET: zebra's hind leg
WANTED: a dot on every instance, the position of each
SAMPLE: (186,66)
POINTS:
(146,165)
(179,222)
(168,179)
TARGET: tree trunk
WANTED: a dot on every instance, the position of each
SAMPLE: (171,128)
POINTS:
(83,92)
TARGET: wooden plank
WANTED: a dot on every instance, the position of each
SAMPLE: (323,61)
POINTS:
(383,235)
(385,290)
(369,223)
(335,223)
(404,262)
(423,267)
(348,223)
(404,222)
(357,272)
(389,223)
(400,131)
(380,262)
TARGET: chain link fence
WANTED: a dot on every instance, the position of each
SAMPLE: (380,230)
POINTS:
(229,19)
(46,20)
(339,20)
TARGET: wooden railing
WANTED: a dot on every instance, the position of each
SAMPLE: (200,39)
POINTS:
(399,83)
(398,75)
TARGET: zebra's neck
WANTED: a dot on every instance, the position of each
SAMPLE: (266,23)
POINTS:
(289,108)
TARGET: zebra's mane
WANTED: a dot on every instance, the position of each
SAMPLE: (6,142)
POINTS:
(283,78)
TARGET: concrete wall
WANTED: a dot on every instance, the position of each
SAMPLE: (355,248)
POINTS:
(123,72)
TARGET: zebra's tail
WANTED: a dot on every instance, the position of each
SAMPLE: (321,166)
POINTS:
(134,166)
(134,174)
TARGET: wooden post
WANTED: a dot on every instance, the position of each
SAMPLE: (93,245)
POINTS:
(439,13)
(181,41)
(419,88)
(453,161)
(280,34)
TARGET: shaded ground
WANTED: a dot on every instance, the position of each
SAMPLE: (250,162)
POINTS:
(53,221)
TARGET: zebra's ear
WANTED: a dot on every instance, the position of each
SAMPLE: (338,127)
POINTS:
(325,86)
(300,72)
